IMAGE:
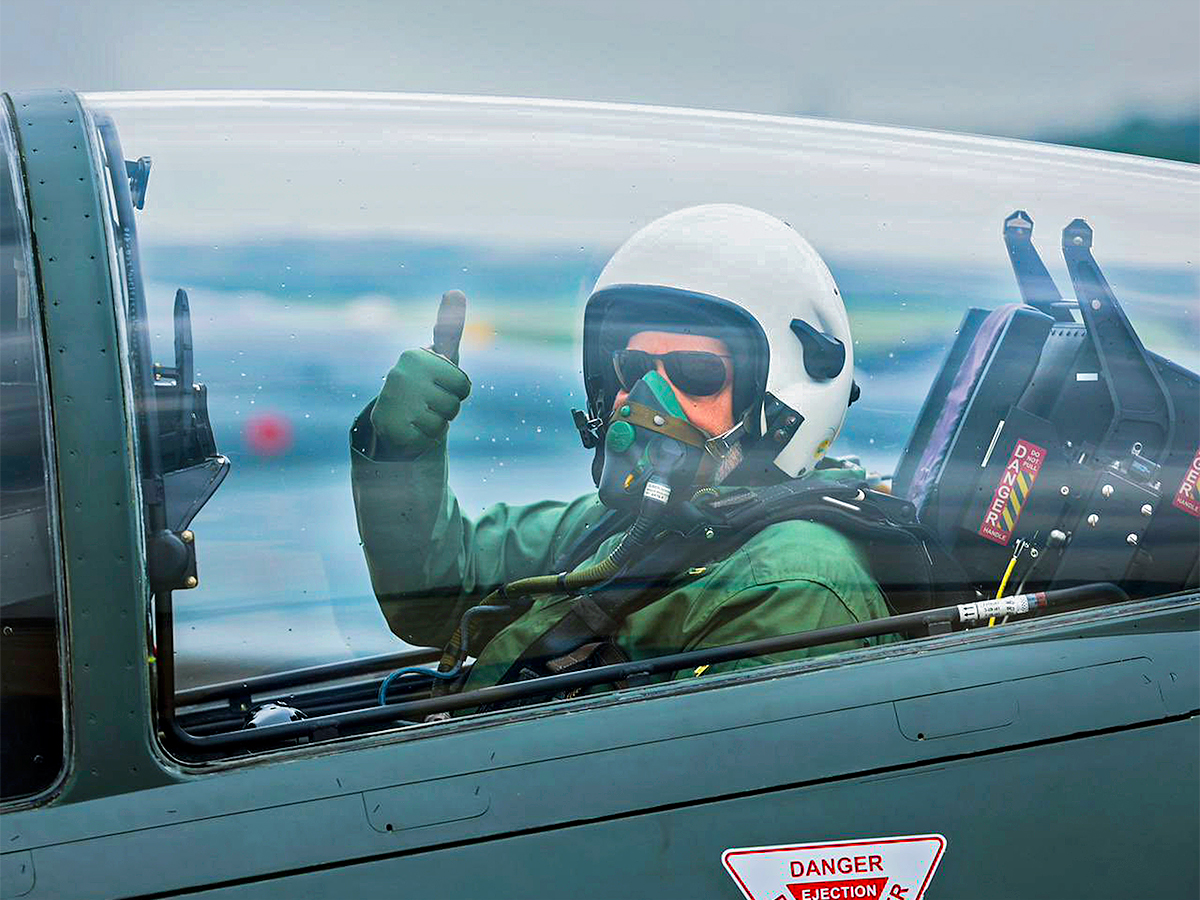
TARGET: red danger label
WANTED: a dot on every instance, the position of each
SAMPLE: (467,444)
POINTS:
(854,889)
(1016,481)
(1187,497)
(887,868)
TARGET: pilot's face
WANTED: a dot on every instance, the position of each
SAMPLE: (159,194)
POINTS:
(713,414)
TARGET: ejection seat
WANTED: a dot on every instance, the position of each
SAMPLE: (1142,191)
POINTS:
(1052,448)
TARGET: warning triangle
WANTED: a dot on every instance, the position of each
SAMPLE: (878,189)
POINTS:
(886,868)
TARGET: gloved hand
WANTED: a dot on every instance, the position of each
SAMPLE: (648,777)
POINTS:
(423,391)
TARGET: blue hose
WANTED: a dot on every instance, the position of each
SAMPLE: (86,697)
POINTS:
(414,670)
(452,672)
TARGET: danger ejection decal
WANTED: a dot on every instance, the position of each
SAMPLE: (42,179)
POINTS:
(887,868)
(1016,481)
(1187,497)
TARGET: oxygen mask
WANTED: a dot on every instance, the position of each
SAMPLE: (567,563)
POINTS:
(651,450)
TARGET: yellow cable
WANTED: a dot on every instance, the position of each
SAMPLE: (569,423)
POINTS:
(1003,584)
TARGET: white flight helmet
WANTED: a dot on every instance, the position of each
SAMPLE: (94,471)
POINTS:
(752,280)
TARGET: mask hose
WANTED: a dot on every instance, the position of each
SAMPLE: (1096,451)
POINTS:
(654,502)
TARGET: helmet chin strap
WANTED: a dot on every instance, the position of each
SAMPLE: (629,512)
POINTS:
(722,444)
(723,454)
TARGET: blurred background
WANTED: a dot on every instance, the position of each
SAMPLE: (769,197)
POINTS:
(1112,74)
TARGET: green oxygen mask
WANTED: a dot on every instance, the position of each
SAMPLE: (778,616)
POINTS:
(651,450)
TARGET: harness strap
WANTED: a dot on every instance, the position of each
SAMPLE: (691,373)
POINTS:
(594,616)
(608,605)
(588,656)
(600,612)
(879,519)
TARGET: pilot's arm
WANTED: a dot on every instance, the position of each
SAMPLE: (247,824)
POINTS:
(429,562)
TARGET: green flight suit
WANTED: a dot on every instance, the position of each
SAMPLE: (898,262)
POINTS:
(429,563)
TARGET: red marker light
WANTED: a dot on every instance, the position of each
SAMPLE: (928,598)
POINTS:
(268,434)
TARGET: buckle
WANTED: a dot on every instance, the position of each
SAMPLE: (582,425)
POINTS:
(720,445)
(589,427)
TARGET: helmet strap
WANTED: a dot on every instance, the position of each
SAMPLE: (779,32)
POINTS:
(759,450)
(725,466)
(722,444)
(723,454)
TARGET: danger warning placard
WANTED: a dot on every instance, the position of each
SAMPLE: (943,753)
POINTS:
(1187,496)
(1016,481)
(889,868)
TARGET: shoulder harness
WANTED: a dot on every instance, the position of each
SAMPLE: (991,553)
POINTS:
(914,571)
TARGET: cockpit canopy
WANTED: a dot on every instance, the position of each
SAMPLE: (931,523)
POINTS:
(313,234)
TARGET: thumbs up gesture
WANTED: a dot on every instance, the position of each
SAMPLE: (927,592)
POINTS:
(423,391)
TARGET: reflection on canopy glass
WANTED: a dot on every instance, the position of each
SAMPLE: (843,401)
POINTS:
(875,419)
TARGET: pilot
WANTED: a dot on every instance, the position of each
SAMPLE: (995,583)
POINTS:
(716,355)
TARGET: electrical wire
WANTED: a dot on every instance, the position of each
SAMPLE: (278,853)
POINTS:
(1036,557)
(1012,564)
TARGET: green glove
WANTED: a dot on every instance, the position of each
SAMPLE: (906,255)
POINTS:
(424,390)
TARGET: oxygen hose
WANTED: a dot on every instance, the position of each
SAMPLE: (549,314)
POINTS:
(654,502)
(637,535)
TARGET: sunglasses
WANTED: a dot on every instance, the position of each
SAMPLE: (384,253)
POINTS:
(695,372)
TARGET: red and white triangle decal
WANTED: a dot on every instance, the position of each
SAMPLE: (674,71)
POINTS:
(887,868)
